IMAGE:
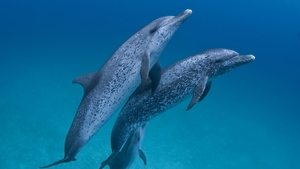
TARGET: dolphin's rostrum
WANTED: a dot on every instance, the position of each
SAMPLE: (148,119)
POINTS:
(128,68)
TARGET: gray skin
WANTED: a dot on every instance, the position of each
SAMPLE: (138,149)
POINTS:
(190,76)
(129,151)
(109,87)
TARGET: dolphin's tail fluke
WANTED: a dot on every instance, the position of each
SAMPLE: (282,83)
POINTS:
(65,160)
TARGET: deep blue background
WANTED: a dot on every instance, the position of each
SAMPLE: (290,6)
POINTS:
(249,120)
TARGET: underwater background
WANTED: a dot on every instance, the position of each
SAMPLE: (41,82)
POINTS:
(249,120)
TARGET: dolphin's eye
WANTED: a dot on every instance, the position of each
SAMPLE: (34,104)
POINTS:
(219,61)
(153,30)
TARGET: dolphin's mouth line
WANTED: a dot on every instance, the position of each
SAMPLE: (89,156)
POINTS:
(239,59)
(180,17)
(235,55)
(246,57)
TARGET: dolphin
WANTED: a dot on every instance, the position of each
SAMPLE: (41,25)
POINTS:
(129,151)
(191,76)
(131,66)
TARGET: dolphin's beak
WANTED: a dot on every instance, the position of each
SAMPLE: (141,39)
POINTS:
(184,15)
(177,20)
(245,58)
(239,60)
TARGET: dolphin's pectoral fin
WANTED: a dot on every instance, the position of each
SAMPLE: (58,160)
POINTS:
(145,70)
(155,74)
(206,90)
(108,160)
(198,92)
(84,80)
(143,156)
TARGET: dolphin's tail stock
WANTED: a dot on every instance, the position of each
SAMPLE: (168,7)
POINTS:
(65,160)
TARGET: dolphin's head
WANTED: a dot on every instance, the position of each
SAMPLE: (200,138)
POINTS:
(162,29)
(219,61)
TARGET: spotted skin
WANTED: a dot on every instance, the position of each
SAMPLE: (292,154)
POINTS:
(177,82)
(117,80)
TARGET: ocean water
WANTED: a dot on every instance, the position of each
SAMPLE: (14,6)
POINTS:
(249,120)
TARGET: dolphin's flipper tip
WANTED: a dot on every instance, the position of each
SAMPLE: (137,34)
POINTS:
(143,156)
(189,107)
(65,160)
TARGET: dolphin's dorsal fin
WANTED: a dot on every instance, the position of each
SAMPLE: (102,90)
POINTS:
(206,90)
(198,92)
(84,80)
(143,156)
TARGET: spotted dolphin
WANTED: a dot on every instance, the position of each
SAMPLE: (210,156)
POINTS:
(131,66)
(129,151)
(191,76)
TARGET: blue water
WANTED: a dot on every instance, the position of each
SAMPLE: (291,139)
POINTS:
(249,120)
